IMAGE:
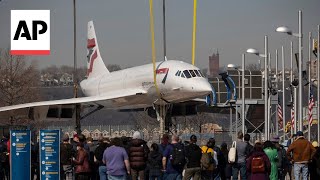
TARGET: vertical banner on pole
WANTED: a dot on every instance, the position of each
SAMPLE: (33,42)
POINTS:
(20,154)
(49,154)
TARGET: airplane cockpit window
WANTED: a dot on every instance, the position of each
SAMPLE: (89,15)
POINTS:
(200,73)
(179,73)
(197,73)
(182,75)
(192,73)
(187,74)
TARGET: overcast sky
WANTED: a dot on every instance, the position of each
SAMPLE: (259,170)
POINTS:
(122,28)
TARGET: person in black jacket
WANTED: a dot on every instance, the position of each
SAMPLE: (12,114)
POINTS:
(193,154)
(66,154)
(155,163)
(104,143)
(138,156)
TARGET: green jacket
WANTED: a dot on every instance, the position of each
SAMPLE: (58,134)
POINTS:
(273,157)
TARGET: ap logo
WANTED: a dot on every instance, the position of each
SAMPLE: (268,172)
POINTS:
(30,32)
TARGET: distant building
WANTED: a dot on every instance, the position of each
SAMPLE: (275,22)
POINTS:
(213,65)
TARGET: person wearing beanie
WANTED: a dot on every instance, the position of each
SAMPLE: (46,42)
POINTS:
(66,154)
(138,156)
(302,152)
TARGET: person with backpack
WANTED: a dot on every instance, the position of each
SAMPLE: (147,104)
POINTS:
(208,161)
(282,162)
(258,164)
(221,162)
(272,153)
(173,160)
(155,163)
(193,156)
(240,160)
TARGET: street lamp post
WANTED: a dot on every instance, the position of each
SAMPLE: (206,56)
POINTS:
(286,30)
(309,87)
(283,94)
(243,94)
(277,81)
(266,92)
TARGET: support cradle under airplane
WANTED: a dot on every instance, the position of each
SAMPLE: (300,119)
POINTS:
(132,88)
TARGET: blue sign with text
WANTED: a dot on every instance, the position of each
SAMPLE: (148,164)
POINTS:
(49,149)
(20,147)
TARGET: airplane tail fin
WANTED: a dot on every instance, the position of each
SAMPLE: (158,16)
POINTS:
(95,65)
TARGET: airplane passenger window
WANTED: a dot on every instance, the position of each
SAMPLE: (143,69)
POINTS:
(187,74)
(192,73)
(197,73)
(182,75)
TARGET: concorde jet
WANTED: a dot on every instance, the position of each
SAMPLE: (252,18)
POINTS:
(132,88)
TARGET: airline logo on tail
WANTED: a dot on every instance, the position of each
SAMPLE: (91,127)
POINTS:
(91,56)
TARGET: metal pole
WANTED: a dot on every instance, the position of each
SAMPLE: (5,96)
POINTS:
(318,80)
(164,30)
(75,76)
(291,79)
(269,96)
(295,109)
(230,119)
(243,94)
(283,94)
(266,131)
(277,119)
(309,79)
(237,118)
(300,73)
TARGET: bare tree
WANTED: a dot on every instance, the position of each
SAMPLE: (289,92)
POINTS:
(18,80)
(144,122)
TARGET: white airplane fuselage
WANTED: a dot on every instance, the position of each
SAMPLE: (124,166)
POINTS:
(174,86)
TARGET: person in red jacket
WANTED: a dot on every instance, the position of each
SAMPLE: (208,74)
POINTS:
(260,173)
(82,170)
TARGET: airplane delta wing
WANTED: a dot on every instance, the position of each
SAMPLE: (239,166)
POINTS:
(110,100)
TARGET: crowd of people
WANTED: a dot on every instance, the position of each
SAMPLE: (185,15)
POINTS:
(131,158)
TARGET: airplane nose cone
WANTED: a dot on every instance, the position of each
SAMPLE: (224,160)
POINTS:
(207,87)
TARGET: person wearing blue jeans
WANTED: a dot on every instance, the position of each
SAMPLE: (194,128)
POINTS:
(239,167)
(297,168)
(240,164)
(103,172)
